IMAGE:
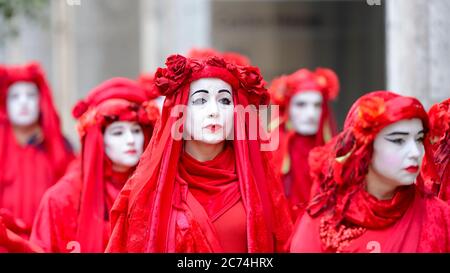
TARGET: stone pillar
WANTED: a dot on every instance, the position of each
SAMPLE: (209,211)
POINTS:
(65,84)
(418,56)
(172,26)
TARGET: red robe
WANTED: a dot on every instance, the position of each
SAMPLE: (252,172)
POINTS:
(29,174)
(56,225)
(211,206)
(26,171)
(424,227)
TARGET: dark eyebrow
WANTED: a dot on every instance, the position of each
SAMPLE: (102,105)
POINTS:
(224,91)
(113,127)
(404,133)
(200,91)
(398,133)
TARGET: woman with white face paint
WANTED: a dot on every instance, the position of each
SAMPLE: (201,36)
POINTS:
(371,197)
(305,122)
(115,123)
(33,151)
(203,185)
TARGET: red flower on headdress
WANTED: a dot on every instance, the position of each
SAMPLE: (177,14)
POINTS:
(169,79)
(88,119)
(328,80)
(368,118)
(252,81)
(179,69)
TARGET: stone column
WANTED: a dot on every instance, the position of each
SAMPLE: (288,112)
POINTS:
(65,84)
(172,26)
(418,56)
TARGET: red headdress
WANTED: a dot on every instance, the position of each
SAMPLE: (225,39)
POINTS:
(323,80)
(143,218)
(340,167)
(439,115)
(117,99)
(228,56)
(294,148)
(49,120)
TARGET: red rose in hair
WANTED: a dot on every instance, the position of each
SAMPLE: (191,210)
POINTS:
(176,64)
(368,119)
(196,65)
(252,81)
(169,79)
(216,61)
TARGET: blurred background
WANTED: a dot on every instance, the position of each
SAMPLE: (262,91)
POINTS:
(399,45)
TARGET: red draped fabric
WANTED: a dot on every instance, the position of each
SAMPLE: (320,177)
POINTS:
(437,169)
(56,225)
(293,152)
(74,214)
(343,217)
(212,193)
(26,171)
(422,227)
(156,213)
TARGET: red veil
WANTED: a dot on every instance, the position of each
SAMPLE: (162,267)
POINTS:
(144,218)
(292,156)
(438,170)
(26,172)
(77,208)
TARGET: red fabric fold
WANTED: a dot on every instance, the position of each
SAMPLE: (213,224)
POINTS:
(423,228)
(141,219)
(88,193)
(213,183)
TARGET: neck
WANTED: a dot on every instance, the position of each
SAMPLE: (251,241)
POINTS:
(202,151)
(378,186)
(24,133)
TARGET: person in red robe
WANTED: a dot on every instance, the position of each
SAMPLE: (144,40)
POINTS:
(33,151)
(203,184)
(438,170)
(306,121)
(370,196)
(115,122)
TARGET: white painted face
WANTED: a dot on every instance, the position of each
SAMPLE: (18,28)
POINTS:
(22,104)
(398,152)
(305,110)
(210,111)
(124,143)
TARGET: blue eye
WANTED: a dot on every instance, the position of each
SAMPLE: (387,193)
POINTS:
(225,101)
(199,101)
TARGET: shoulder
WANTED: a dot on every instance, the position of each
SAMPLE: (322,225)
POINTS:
(66,191)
